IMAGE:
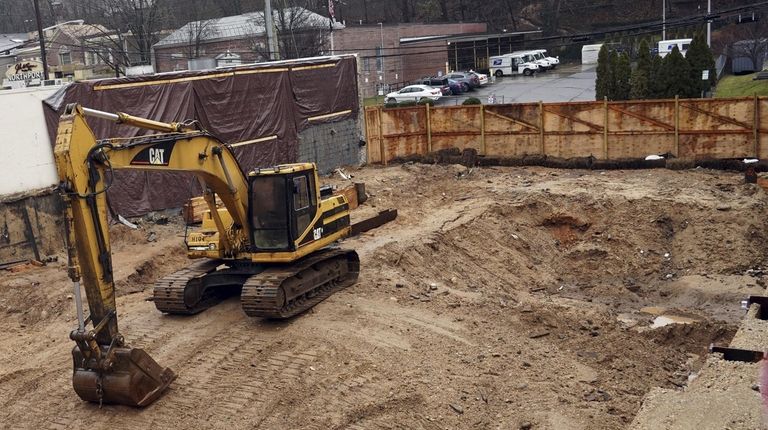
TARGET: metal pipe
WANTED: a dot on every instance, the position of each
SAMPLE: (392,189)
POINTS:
(124,118)
(101,114)
(79,307)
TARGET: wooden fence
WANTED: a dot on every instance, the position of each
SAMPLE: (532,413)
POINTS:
(686,128)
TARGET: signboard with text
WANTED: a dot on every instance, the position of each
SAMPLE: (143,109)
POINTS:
(25,71)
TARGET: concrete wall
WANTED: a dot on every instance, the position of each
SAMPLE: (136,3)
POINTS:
(331,145)
(27,153)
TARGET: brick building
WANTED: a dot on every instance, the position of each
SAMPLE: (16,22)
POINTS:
(241,39)
(392,55)
(71,50)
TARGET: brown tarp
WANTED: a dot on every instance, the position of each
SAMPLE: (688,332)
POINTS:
(236,105)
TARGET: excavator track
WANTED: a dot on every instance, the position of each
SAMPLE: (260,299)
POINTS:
(285,291)
(170,291)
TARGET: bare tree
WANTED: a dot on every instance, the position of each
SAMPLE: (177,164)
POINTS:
(123,31)
(299,32)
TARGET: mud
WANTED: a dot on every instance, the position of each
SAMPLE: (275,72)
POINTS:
(501,297)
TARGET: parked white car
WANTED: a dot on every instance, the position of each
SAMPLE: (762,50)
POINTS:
(415,93)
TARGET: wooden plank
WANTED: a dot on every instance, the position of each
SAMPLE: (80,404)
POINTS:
(643,118)
(605,127)
(513,120)
(350,192)
(382,143)
(677,126)
(429,130)
(542,147)
(482,130)
(718,117)
(193,209)
(576,120)
(756,127)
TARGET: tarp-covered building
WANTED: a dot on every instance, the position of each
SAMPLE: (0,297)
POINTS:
(271,113)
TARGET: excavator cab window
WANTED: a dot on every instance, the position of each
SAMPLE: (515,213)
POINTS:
(304,203)
(269,212)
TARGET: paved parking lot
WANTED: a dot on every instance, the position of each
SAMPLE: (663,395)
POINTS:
(564,84)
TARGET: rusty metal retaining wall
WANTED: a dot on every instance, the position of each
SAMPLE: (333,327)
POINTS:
(686,128)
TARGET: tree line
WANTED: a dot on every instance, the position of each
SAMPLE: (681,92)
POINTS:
(652,76)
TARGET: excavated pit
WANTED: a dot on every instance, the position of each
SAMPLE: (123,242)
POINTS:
(500,297)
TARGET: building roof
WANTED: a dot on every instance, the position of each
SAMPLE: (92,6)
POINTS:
(247,24)
(13,40)
(453,38)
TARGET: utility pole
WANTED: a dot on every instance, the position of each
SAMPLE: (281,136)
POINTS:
(709,23)
(383,68)
(41,36)
(270,27)
(663,19)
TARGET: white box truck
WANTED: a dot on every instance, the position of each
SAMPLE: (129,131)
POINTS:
(512,64)
(535,57)
(589,53)
(666,46)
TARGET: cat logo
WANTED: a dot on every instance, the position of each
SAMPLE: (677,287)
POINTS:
(156,156)
(317,233)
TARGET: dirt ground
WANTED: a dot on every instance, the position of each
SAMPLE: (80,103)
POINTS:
(500,298)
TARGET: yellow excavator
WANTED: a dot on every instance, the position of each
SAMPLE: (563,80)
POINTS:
(271,242)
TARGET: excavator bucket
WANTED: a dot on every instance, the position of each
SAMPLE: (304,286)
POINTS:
(134,379)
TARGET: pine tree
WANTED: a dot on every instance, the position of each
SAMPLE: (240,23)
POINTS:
(639,81)
(700,58)
(676,76)
(644,57)
(601,82)
(623,73)
(638,85)
(612,81)
(655,78)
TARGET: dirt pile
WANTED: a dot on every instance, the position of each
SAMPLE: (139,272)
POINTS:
(500,298)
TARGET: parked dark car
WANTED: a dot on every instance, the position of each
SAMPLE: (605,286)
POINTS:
(468,81)
(439,82)
(456,87)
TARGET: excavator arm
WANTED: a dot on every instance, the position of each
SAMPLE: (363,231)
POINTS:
(106,370)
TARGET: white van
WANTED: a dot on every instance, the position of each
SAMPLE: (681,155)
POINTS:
(512,64)
(666,46)
(553,61)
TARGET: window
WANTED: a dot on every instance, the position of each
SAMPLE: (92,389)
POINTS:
(300,193)
(65,58)
(366,65)
(379,59)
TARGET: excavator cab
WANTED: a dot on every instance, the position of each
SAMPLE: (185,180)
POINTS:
(283,203)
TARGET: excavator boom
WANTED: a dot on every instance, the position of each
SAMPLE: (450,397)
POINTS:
(106,370)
